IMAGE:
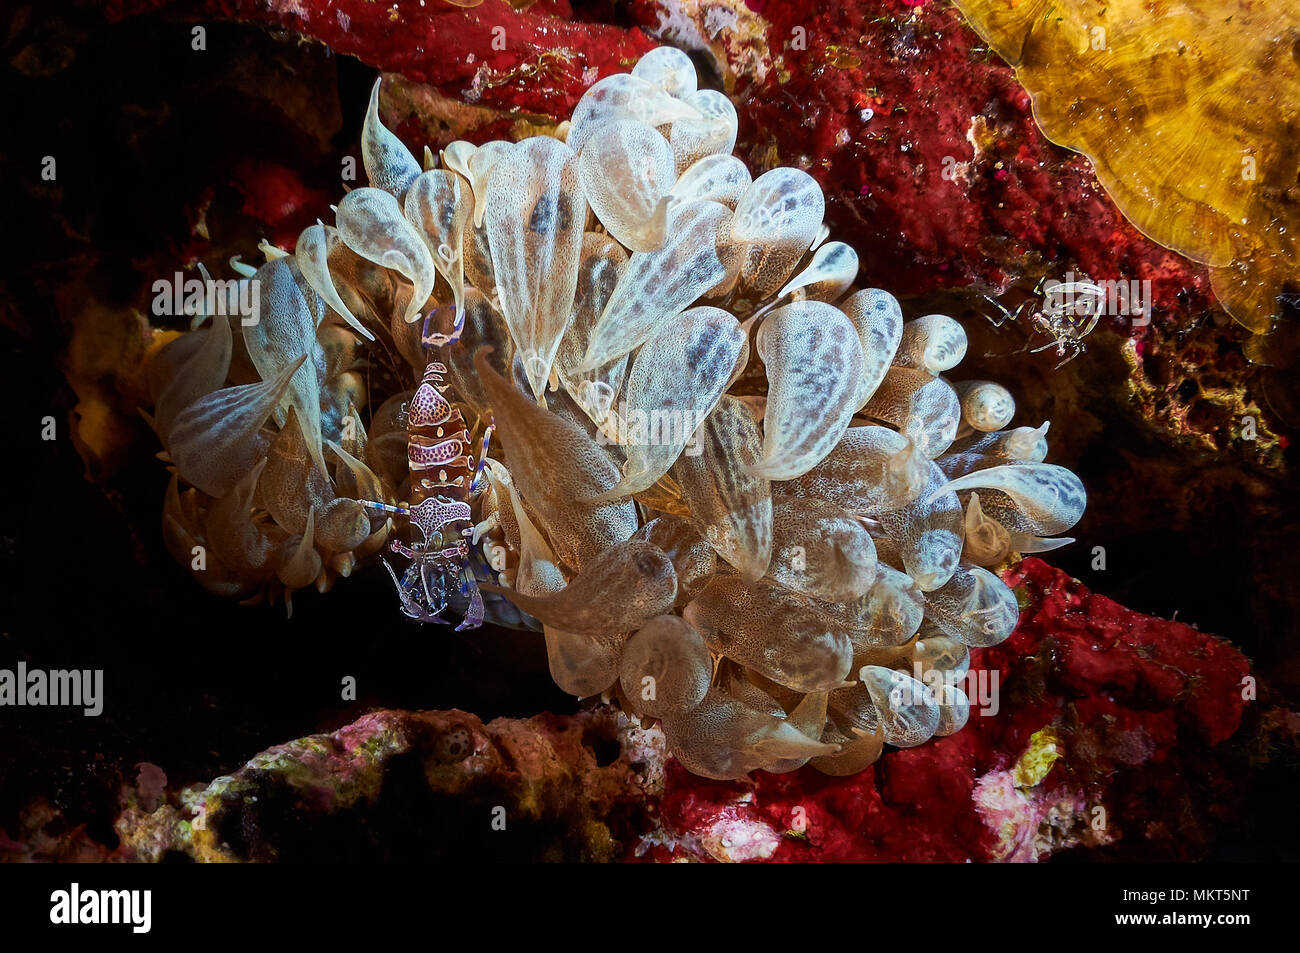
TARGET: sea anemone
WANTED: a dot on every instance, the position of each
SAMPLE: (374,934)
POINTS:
(735,495)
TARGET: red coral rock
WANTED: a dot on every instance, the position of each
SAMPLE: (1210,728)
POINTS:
(491,53)
(925,144)
(1115,656)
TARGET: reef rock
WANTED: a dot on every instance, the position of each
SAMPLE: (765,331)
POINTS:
(1117,735)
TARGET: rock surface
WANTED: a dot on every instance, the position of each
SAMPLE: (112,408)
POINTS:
(1101,729)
